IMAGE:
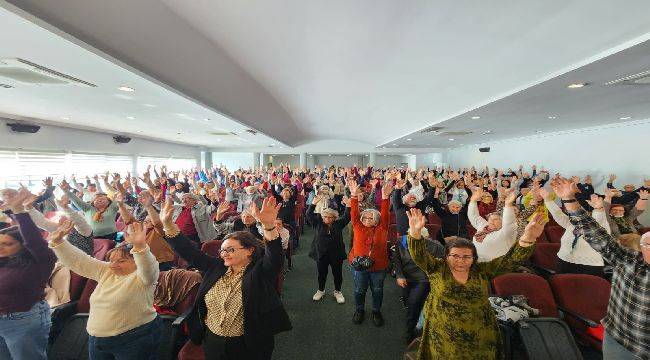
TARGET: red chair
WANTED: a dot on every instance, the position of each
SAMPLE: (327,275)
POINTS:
(470,231)
(583,299)
(533,287)
(644,230)
(433,218)
(433,230)
(212,247)
(554,233)
(544,258)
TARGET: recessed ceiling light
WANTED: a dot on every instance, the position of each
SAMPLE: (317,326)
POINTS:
(475,117)
(126,88)
(206,119)
(576,85)
(131,117)
(409,139)
(487,132)
(311,154)
(552,117)
(366,155)
(65,118)
(149,105)
(625,118)
(139,131)
(329,155)
(218,139)
(452,139)
(384,154)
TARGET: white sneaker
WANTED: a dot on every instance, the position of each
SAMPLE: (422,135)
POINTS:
(318,295)
(339,297)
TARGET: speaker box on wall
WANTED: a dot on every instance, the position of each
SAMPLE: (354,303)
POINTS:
(23,128)
(484,149)
(121,139)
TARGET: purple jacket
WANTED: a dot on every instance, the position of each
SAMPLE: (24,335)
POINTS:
(22,287)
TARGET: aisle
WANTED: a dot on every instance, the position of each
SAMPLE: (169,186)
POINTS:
(324,330)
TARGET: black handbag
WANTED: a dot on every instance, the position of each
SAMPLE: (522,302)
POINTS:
(364,262)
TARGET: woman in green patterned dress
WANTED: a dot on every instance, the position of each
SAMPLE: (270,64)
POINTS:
(459,322)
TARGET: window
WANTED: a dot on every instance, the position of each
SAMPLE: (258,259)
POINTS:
(83,165)
(30,168)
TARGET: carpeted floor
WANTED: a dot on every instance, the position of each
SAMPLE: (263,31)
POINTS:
(324,330)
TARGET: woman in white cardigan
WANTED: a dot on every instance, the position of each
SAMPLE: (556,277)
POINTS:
(576,256)
(122,322)
(496,235)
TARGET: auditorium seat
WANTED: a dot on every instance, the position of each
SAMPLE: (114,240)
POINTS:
(533,287)
(554,233)
(433,229)
(544,258)
(432,218)
(470,231)
(212,247)
(583,299)
(102,246)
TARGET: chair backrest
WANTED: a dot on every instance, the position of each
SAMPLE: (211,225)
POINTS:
(545,255)
(77,284)
(187,302)
(586,295)
(433,230)
(533,287)
(102,246)
(432,218)
(83,306)
(554,233)
(212,247)
(470,231)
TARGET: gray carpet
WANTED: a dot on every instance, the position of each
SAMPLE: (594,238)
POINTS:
(324,330)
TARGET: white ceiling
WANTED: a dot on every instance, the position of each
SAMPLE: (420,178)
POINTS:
(367,71)
(151,111)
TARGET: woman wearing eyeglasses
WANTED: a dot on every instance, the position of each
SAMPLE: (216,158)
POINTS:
(237,310)
(459,321)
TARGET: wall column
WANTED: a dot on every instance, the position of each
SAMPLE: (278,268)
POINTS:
(372,160)
(256,160)
(303,160)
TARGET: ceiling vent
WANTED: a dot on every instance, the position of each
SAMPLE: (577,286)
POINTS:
(6,86)
(455,133)
(29,73)
(251,131)
(642,78)
(431,129)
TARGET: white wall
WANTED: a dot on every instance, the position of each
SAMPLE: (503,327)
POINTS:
(233,161)
(68,139)
(292,159)
(339,160)
(391,160)
(623,149)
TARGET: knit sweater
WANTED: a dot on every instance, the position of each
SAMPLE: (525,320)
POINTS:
(496,243)
(582,253)
(119,303)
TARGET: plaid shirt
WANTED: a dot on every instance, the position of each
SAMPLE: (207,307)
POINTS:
(628,312)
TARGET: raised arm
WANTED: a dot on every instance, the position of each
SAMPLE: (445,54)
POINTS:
(40,220)
(180,243)
(477,221)
(146,263)
(561,218)
(417,244)
(594,234)
(80,204)
(386,190)
(72,257)
(266,215)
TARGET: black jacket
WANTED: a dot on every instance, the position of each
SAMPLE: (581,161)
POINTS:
(264,314)
(405,267)
(452,224)
(401,219)
(328,242)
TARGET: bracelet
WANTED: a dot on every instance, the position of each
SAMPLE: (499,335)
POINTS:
(527,242)
(643,199)
(569,201)
(271,229)
(172,232)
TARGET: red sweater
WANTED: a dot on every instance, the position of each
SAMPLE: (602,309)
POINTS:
(365,236)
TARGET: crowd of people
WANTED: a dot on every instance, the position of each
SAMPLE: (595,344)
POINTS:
(444,270)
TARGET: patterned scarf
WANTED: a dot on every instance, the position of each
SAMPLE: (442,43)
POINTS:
(623,225)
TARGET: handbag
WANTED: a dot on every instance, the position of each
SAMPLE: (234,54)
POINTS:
(364,262)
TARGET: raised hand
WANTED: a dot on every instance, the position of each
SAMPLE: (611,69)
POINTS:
(64,202)
(136,236)
(268,213)
(48,181)
(545,194)
(64,185)
(595,202)
(612,177)
(386,189)
(221,210)
(643,194)
(477,193)
(417,220)
(167,212)
(354,188)
(564,188)
(533,230)
(15,203)
(56,237)
(29,202)
(511,197)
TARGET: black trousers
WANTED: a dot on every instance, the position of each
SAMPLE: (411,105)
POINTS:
(564,267)
(323,264)
(417,295)
(218,347)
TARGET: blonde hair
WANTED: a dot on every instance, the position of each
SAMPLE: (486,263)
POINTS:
(630,241)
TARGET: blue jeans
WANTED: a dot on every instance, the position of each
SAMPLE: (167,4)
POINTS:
(612,350)
(23,335)
(365,279)
(135,344)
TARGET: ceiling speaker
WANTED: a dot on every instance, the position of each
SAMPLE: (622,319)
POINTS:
(484,149)
(121,139)
(24,128)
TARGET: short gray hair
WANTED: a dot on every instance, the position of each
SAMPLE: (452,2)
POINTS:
(376,215)
(330,211)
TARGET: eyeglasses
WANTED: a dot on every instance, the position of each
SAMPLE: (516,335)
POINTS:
(229,250)
(461,257)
